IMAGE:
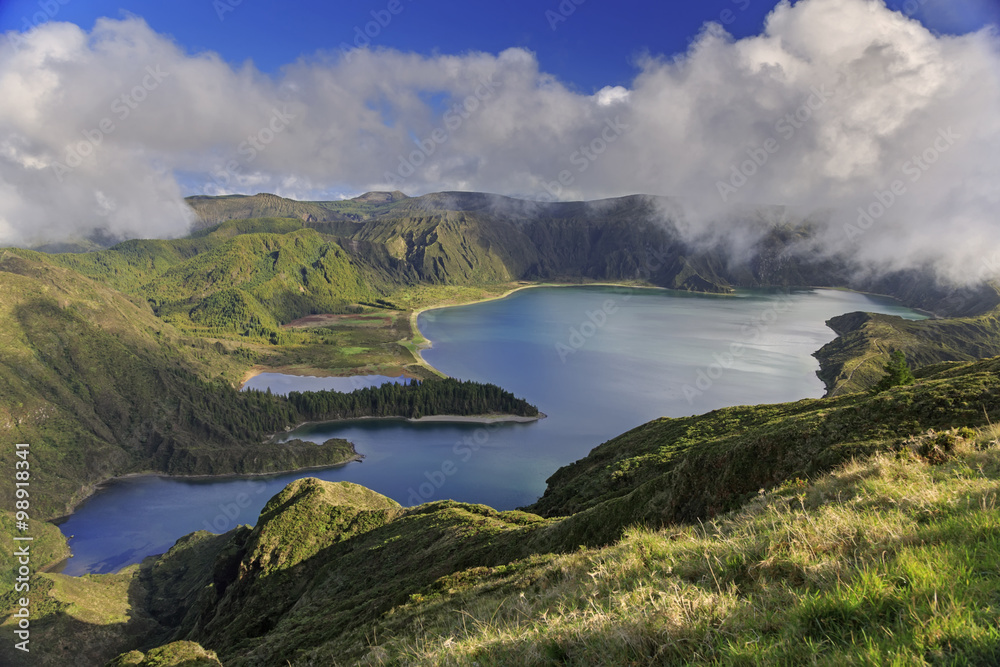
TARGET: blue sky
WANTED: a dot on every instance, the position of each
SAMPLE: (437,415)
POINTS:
(595,46)
(823,106)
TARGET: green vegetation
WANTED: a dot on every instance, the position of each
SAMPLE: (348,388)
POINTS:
(897,373)
(889,560)
(176,654)
(876,542)
(672,470)
(416,399)
(855,361)
(100,387)
(368,343)
(865,523)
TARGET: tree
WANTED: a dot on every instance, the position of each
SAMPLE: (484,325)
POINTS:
(897,373)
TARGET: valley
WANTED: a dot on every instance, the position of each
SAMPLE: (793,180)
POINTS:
(128,360)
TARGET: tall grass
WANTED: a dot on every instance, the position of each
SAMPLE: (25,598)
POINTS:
(891,560)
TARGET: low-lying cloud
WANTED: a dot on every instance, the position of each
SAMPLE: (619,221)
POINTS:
(883,133)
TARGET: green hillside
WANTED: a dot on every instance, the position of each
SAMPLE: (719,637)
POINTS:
(726,537)
(854,360)
(260,273)
(100,386)
(461,238)
(865,523)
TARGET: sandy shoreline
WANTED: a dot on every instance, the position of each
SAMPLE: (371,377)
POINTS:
(453,419)
(256,370)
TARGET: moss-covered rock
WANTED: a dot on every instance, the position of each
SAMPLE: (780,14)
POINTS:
(175,654)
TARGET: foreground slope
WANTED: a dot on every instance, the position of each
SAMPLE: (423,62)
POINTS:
(887,560)
(886,552)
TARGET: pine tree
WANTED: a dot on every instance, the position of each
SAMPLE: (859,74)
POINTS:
(897,373)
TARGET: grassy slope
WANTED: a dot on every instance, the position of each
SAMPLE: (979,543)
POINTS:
(890,550)
(290,275)
(854,361)
(889,560)
(242,279)
(175,654)
(453,247)
(281,270)
(99,387)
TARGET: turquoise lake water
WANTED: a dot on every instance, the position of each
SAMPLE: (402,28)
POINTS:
(597,360)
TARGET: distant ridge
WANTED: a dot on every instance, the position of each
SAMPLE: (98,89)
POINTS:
(376,197)
(213,210)
(472,238)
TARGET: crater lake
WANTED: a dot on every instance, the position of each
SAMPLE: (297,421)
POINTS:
(597,361)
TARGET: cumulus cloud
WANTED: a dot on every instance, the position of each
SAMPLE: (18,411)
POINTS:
(881,132)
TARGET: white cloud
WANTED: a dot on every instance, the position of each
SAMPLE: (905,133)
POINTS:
(610,95)
(845,92)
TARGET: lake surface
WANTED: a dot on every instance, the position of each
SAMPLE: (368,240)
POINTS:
(597,360)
